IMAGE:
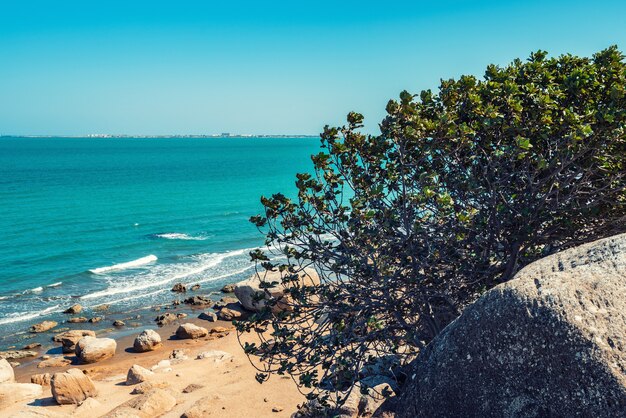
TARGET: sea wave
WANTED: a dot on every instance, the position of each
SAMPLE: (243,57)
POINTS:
(57,284)
(123,266)
(180,236)
(204,262)
(25,316)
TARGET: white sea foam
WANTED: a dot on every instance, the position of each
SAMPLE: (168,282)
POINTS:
(34,290)
(57,284)
(180,236)
(164,276)
(128,265)
(25,316)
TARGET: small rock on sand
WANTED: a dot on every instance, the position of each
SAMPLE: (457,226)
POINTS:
(137,374)
(191,331)
(192,388)
(54,362)
(208,316)
(215,355)
(42,379)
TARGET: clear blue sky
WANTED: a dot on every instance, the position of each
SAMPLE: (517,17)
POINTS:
(156,67)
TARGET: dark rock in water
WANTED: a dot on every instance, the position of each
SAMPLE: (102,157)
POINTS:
(198,301)
(95,319)
(165,319)
(101,308)
(77,320)
(181,315)
(179,287)
(31,346)
(118,323)
(228,288)
(208,316)
(74,309)
(195,287)
(43,326)
(550,342)
(176,302)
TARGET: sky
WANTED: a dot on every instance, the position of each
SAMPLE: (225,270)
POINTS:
(254,67)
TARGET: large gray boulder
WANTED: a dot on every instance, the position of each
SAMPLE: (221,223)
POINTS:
(252,296)
(550,342)
(148,340)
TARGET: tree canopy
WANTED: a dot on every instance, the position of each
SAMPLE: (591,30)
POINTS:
(462,188)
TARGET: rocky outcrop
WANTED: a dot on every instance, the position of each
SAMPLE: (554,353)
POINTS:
(148,340)
(74,309)
(550,342)
(69,338)
(154,403)
(228,288)
(92,350)
(72,387)
(43,326)
(138,374)
(252,296)
(179,288)
(11,393)
(191,331)
(17,354)
(6,372)
(57,361)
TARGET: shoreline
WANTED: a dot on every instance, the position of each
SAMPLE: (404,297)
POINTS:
(228,388)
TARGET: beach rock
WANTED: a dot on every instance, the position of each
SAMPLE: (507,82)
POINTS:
(88,409)
(95,319)
(43,326)
(178,356)
(249,291)
(214,355)
(215,330)
(77,320)
(147,386)
(31,346)
(14,364)
(195,287)
(165,319)
(198,301)
(200,409)
(191,331)
(6,372)
(42,379)
(228,288)
(74,309)
(91,349)
(17,354)
(138,374)
(148,340)
(550,342)
(231,313)
(118,323)
(54,362)
(11,393)
(192,388)
(208,316)
(152,404)
(69,338)
(225,302)
(101,308)
(179,288)
(72,387)
(277,408)
(181,315)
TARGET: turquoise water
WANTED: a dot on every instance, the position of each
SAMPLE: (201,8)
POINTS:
(159,210)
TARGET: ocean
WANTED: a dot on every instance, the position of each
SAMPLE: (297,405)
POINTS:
(119,221)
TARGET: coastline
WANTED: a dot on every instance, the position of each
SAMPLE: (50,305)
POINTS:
(229,388)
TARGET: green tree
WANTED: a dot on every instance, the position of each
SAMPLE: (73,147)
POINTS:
(462,188)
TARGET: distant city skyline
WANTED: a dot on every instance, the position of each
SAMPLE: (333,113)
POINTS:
(145,68)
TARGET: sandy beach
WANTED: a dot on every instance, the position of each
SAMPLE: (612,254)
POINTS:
(221,388)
